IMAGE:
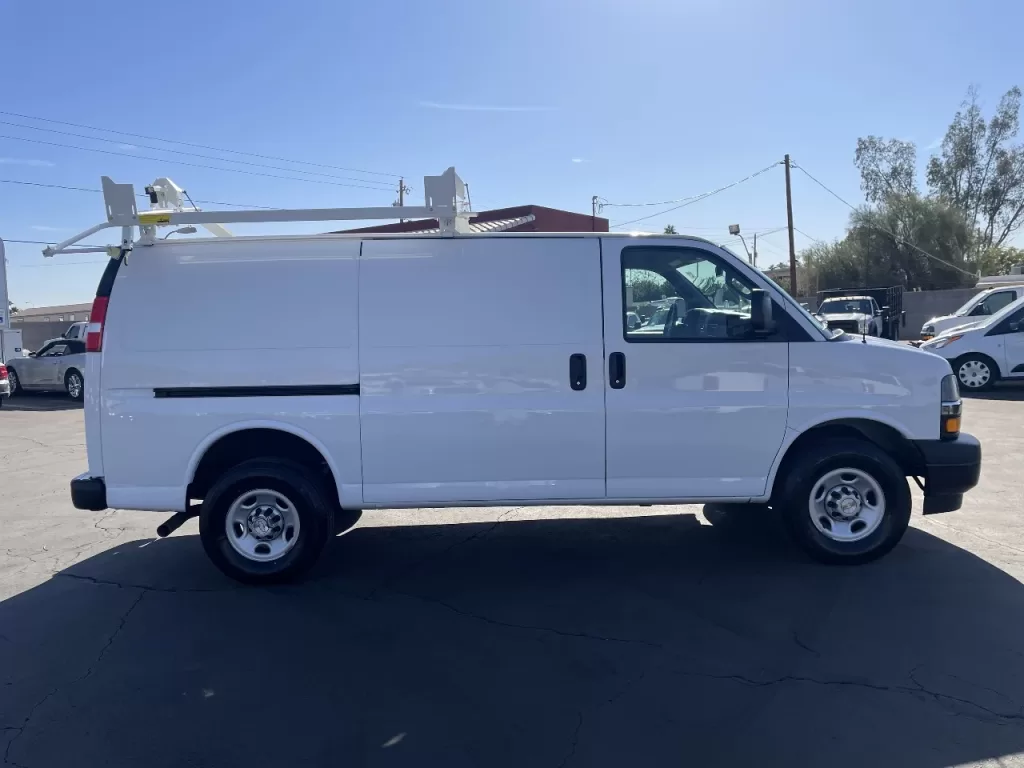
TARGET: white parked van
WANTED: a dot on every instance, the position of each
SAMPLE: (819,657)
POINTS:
(978,307)
(983,352)
(741,397)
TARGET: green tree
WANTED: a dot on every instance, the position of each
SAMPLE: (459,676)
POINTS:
(884,245)
(670,229)
(648,286)
(886,168)
(980,171)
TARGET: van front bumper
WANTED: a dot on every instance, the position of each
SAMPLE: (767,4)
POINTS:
(89,493)
(950,468)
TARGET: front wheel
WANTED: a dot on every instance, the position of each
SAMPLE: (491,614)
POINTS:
(846,502)
(976,373)
(266,521)
(74,385)
(12,379)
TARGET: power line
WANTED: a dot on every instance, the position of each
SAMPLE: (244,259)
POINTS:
(195,165)
(806,235)
(698,198)
(139,194)
(199,146)
(893,235)
(189,154)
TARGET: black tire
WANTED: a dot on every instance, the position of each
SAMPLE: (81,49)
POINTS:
(345,520)
(313,504)
(68,384)
(966,383)
(838,453)
(15,382)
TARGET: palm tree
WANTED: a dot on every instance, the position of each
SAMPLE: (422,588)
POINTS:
(670,230)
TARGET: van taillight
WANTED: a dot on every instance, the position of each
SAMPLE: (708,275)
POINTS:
(3,372)
(94,333)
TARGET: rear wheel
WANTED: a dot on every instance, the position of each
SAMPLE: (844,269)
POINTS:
(12,378)
(266,521)
(976,373)
(74,384)
(846,502)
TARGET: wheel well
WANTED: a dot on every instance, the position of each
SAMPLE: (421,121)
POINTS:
(885,437)
(69,371)
(234,448)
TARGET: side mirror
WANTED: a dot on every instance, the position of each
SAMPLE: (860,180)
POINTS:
(761,312)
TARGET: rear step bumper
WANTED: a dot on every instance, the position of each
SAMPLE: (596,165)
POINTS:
(89,493)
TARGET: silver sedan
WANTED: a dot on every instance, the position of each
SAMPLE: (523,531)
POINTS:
(59,365)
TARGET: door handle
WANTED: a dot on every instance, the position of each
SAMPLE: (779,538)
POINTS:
(578,371)
(617,370)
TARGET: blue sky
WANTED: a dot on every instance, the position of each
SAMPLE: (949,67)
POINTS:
(532,101)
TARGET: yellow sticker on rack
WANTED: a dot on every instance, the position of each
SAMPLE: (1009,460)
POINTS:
(154,218)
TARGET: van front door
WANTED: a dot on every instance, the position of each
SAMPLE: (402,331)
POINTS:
(696,404)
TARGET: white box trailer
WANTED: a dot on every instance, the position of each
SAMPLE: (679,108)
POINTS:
(10,345)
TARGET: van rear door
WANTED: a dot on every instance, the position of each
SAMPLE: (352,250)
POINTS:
(696,406)
(480,369)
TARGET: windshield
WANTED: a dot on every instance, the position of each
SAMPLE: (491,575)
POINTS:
(843,306)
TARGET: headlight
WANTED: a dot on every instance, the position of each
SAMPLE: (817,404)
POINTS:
(950,408)
(945,341)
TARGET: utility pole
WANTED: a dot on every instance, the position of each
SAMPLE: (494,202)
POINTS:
(593,213)
(792,242)
(755,249)
(402,189)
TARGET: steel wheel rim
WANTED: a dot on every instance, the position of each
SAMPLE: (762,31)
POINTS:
(12,378)
(262,525)
(74,385)
(846,505)
(974,374)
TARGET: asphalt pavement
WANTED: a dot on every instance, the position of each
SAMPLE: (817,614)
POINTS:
(616,636)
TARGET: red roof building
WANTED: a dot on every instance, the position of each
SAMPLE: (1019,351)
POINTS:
(520,218)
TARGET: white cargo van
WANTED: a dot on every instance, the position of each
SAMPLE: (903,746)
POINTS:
(370,397)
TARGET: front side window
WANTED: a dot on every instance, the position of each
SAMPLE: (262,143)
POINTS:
(995,302)
(55,351)
(685,294)
(1012,323)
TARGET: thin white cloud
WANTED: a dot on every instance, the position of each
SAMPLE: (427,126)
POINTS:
(44,228)
(483,107)
(935,144)
(129,147)
(26,161)
(578,160)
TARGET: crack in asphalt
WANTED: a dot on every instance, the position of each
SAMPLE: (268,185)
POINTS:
(143,587)
(1000,718)
(575,741)
(397,578)
(20,729)
(527,627)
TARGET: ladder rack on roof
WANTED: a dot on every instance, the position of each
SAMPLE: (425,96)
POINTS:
(442,197)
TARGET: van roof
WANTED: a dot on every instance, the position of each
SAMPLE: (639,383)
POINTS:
(439,236)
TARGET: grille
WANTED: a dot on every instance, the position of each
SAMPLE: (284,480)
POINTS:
(850,326)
